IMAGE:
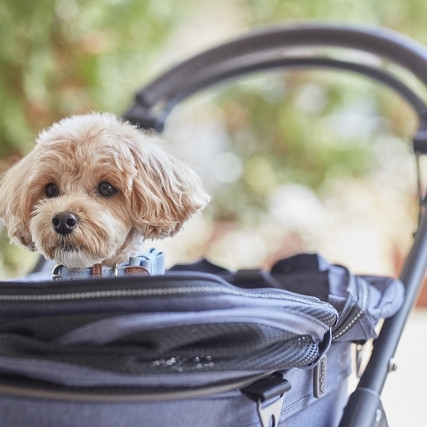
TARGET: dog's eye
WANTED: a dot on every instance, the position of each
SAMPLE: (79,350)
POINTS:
(106,189)
(51,190)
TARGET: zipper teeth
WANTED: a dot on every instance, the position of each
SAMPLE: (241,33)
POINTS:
(363,300)
(73,296)
(349,325)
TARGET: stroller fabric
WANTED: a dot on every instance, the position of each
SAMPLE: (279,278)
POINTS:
(198,330)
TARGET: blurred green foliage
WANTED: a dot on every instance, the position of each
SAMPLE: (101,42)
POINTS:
(62,57)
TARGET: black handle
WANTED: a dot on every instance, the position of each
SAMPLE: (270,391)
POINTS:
(271,48)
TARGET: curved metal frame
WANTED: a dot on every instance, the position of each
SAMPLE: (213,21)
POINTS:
(378,41)
(146,118)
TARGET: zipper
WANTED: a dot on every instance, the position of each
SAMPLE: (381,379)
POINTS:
(126,394)
(355,312)
(327,313)
(153,292)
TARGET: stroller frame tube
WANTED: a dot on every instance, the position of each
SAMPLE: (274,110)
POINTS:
(364,404)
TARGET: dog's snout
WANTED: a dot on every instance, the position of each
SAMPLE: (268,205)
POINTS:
(65,222)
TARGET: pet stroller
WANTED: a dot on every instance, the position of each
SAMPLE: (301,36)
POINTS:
(201,345)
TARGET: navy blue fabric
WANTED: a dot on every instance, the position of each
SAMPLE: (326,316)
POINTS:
(229,409)
(298,303)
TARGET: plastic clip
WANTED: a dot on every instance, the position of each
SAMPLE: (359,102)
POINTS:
(319,377)
(269,393)
(56,272)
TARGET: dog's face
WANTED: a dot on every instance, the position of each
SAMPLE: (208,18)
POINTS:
(93,189)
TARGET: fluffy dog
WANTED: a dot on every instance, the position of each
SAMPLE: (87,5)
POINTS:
(93,188)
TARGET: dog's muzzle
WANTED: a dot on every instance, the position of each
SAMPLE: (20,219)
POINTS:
(65,222)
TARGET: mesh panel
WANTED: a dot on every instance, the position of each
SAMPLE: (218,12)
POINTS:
(213,347)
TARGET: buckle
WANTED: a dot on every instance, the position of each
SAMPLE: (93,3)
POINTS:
(56,271)
(269,394)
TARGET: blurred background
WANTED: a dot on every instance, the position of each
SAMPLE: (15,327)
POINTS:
(296,161)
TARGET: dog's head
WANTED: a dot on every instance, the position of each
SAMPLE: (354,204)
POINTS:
(93,188)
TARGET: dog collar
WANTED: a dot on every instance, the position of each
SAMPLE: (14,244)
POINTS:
(151,262)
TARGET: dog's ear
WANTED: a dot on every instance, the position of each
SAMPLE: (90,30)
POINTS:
(166,192)
(15,202)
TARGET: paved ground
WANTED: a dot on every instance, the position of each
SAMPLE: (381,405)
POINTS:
(404,395)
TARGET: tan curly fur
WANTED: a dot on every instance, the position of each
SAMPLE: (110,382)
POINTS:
(155,192)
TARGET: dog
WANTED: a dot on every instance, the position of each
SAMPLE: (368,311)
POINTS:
(95,187)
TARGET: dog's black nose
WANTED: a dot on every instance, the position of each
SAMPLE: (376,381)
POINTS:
(65,222)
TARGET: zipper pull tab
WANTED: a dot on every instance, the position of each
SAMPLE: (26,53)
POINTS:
(269,393)
(319,377)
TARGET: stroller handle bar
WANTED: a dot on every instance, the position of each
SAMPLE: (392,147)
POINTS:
(271,48)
